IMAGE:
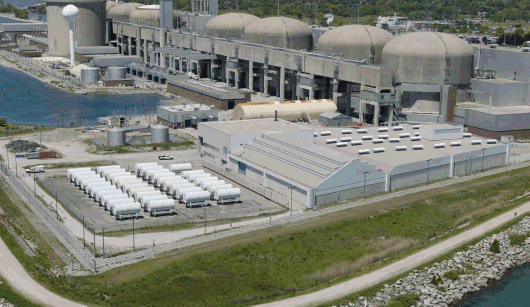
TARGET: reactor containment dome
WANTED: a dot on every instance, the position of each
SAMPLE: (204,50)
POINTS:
(429,58)
(281,32)
(357,42)
(122,11)
(231,25)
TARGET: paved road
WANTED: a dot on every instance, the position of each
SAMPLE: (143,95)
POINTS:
(366,281)
(19,280)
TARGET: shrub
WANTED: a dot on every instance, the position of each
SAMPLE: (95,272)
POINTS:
(406,300)
(436,280)
(453,274)
(517,239)
(495,247)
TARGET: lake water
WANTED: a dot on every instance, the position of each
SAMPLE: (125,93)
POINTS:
(511,291)
(26,100)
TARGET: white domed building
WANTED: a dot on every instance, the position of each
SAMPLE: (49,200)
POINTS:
(231,25)
(281,32)
(357,42)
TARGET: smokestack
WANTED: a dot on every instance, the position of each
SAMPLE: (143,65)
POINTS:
(276,115)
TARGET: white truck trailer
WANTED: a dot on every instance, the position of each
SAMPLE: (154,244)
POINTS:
(124,210)
(181,167)
(227,195)
(195,198)
(158,207)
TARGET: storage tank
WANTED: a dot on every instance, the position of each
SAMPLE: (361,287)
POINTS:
(137,166)
(198,181)
(128,188)
(94,192)
(72,171)
(121,185)
(139,195)
(149,15)
(79,180)
(227,195)
(145,198)
(181,191)
(206,184)
(230,25)
(89,187)
(99,197)
(99,169)
(163,183)
(116,73)
(144,171)
(159,178)
(85,183)
(172,189)
(73,176)
(105,199)
(113,202)
(134,192)
(194,177)
(191,197)
(179,168)
(159,134)
(160,206)
(113,172)
(186,174)
(116,137)
(130,209)
(215,188)
(90,27)
(287,110)
(150,175)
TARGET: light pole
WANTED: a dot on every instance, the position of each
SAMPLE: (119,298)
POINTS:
(56,206)
(483,149)
(84,242)
(291,200)
(34,185)
(428,168)
(94,232)
(204,224)
(125,116)
(16,165)
(134,246)
(358,6)
(364,186)
(104,241)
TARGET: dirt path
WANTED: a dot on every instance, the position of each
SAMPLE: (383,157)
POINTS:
(19,280)
(366,281)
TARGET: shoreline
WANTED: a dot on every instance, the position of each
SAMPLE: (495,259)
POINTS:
(12,16)
(449,282)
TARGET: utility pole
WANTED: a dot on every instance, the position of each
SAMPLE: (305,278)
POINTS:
(204,220)
(291,200)
(364,186)
(34,185)
(104,242)
(56,206)
(94,231)
(428,167)
(84,242)
(134,246)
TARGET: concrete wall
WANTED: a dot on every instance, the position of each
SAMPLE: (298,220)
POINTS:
(494,124)
(505,62)
(505,93)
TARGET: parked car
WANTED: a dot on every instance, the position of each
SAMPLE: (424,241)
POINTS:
(165,157)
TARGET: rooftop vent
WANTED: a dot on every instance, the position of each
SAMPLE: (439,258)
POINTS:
(417,147)
(341,144)
(346,131)
(467,135)
(396,128)
(382,129)
(362,131)
(439,145)
(456,143)
(379,149)
(415,138)
(367,137)
(345,139)
(401,148)
(416,127)
(404,135)
(324,133)
(476,142)
(393,140)
(363,151)
(416,133)
(330,141)
(355,143)
(315,134)
(377,141)
(383,136)
(491,142)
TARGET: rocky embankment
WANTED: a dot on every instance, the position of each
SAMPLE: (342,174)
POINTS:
(448,281)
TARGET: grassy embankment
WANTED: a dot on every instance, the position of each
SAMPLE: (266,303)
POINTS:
(302,258)
(13,130)
(73,164)
(103,150)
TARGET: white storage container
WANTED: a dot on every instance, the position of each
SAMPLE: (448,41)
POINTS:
(355,143)
(139,195)
(198,181)
(194,177)
(179,168)
(137,166)
(331,141)
(100,194)
(72,171)
(113,202)
(227,195)
(379,149)
(173,189)
(193,197)
(206,184)
(160,206)
(99,169)
(96,184)
(417,147)
(126,209)
(186,174)
(181,191)
(324,133)
(143,200)
(135,191)
(105,199)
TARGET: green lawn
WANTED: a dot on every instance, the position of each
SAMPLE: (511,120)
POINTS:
(301,261)
(13,297)
(13,130)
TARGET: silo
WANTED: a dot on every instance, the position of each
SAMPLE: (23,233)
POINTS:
(89,75)
(116,73)
(90,27)
(159,134)
(116,137)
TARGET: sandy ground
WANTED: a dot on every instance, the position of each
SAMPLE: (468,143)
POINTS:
(19,280)
(368,280)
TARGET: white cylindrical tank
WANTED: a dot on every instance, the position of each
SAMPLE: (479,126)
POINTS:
(105,199)
(89,187)
(116,137)
(143,200)
(74,176)
(214,188)
(165,181)
(158,206)
(159,134)
(123,184)
(114,176)
(159,179)
(86,183)
(173,188)
(143,171)
(116,73)
(181,191)
(194,177)
(89,75)
(227,194)
(71,171)
(187,174)
(105,171)
(121,209)
(95,191)
(192,197)
(139,195)
(114,172)
(207,184)
(137,166)
(128,188)
(80,179)
(178,168)
(135,191)
(99,196)
(113,202)
(121,180)
(200,180)
(99,169)
(151,174)
(90,27)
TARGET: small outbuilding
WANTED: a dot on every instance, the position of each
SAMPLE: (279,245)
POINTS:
(334,119)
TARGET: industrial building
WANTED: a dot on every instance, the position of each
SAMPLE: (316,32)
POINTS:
(334,119)
(328,164)
(305,110)
(186,115)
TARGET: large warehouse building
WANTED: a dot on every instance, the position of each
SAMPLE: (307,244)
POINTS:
(330,165)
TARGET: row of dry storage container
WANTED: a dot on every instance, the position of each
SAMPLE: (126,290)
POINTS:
(190,187)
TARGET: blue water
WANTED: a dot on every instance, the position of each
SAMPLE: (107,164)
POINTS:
(512,290)
(8,20)
(26,100)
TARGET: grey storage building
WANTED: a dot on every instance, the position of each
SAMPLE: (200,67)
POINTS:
(334,119)
(184,116)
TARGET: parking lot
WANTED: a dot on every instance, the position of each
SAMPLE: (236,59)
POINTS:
(79,204)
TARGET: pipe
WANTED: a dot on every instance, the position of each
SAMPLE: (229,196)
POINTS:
(72,54)
(479,54)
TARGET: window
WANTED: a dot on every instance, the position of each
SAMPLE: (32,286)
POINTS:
(209,156)
(225,150)
(210,147)
(224,162)
(242,168)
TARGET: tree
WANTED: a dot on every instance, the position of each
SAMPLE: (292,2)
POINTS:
(519,31)
(3,121)
(452,30)
(495,247)
(499,31)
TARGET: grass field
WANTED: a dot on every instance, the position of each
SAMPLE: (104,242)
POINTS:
(12,296)
(12,130)
(102,150)
(295,259)
(72,164)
